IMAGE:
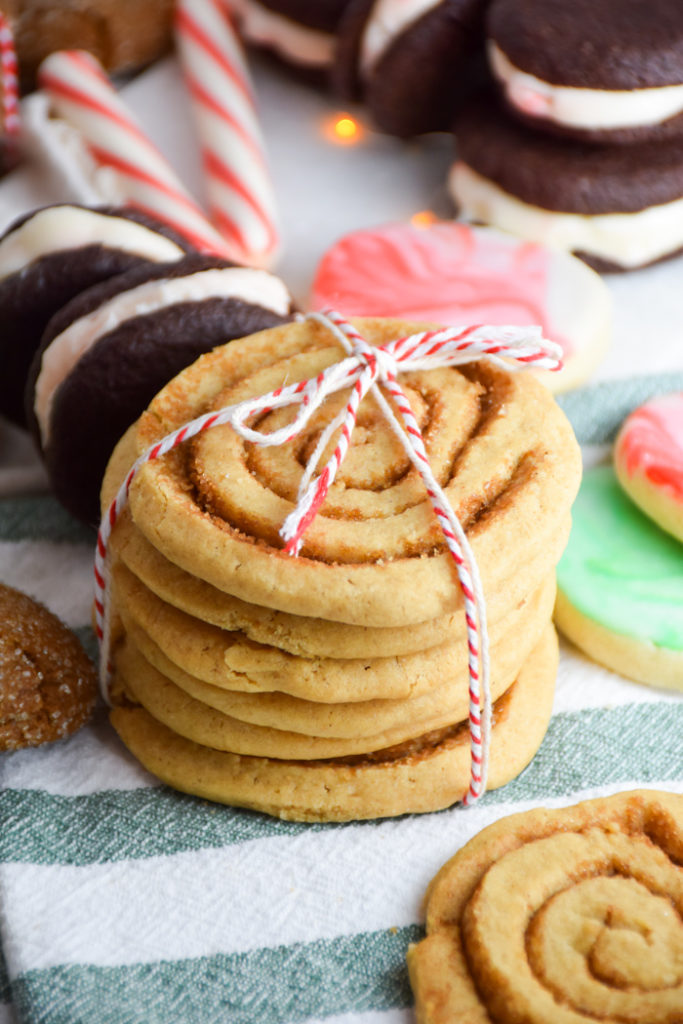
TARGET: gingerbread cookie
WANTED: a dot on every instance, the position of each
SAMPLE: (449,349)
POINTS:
(48,684)
(620,82)
(620,585)
(106,354)
(451,273)
(562,916)
(50,256)
(618,207)
(648,459)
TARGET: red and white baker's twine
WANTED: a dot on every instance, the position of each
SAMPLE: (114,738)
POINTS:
(82,95)
(365,367)
(236,178)
(9,81)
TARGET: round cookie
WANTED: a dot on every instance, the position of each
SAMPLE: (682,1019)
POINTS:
(122,34)
(50,256)
(411,62)
(451,273)
(48,685)
(105,355)
(562,916)
(426,774)
(618,207)
(619,80)
(299,31)
(376,543)
(620,585)
(648,459)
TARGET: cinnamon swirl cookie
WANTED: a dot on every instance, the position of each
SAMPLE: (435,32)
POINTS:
(569,916)
(497,442)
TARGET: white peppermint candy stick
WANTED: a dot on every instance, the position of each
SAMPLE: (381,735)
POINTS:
(136,173)
(238,185)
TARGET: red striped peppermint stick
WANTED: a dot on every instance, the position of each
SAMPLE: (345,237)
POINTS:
(364,368)
(237,181)
(9,82)
(131,168)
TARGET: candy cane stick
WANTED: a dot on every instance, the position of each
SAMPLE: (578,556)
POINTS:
(81,95)
(238,186)
(9,85)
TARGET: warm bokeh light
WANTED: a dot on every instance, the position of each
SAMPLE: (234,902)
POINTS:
(343,129)
(423,219)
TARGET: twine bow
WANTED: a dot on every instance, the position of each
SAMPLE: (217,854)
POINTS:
(365,367)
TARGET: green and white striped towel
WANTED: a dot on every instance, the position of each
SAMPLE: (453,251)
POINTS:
(123,902)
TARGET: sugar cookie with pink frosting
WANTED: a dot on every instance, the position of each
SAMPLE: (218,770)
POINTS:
(648,459)
(450,273)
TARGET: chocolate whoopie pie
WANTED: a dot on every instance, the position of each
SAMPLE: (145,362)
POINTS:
(611,72)
(412,63)
(618,207)
(51,255)
(106,354)
(301,32)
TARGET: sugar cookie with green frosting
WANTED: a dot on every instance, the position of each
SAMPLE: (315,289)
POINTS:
(620,586)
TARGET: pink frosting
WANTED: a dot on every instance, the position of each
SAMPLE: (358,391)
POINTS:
(651,444)
(447,273)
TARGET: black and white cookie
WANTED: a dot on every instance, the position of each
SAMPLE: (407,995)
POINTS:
(618,207)
(411,61)
(106,354)
(50,256)
(301,32)
(610,72)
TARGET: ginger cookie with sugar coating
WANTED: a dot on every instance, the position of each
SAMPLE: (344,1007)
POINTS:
(569,916)
(47,682)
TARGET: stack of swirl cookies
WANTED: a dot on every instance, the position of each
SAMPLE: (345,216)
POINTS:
(334,685)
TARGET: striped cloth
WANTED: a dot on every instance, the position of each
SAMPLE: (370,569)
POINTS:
(123,902)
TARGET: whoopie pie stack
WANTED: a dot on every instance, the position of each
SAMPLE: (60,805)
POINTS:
(100,308)
(580,144)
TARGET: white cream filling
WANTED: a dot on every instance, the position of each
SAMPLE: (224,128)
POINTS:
(298,43)
(627,239)
(387,20)
(584,108)
(69,227)
(63,353)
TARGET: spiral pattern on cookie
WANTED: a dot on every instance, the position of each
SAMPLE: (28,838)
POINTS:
(496,442)
(567,916)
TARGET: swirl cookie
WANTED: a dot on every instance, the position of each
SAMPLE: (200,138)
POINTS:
(621,83)
(426,773)
(562,916)
(49,257)
(107,352)
(451,273)
(498,443)
(47,682)
(618,207)
(296,634)
(648,459)
(620,586)
(412,62)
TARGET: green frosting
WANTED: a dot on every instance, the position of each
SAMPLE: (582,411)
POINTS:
(619,568)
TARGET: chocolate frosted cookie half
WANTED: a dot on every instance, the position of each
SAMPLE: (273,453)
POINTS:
(412,63)
(106,354)
(618,207)
(374,556)
(301,32)
(50,256)
(618,78)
